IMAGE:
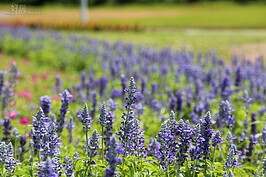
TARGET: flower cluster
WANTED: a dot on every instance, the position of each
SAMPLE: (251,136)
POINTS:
(63,110)
(7,159)
(45,104)
(225,114)
(130,134)
(112,158)
(85,118)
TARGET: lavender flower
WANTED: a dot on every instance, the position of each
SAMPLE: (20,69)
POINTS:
(13,73)
(172,103)
(7,94)
(103,123)
(38,130)
(143,85)
(45,104)
(47,169)
(196,150)
(93,146)
(51,141)
(58,84)
(132,137)
(225,114)
(69,167)
(226,88)
(232,160)
(116,93)
(247,100)
(130,133)
(94,104)
(83,78)
(131,90)
(2,76)
(102,119)
(110,118)
(76,156)
(154,88)
(70,128)
(103,82)
(216,138)
(238,77)
(206,132)
(179,101)
(169,145)
(228,174)
(7,157)
(263,171)
(139,109)
(252,143)
(112,105)
(112,158)
(22,148)
(63,110)
(154,148)
(7,129)
(184,133)
(85,118)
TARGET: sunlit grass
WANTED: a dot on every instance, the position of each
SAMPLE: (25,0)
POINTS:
(210,15)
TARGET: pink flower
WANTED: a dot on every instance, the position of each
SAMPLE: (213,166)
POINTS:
(26,95)
(12,115)
(24,121)
(34,78)
(11,62)
(26,61)
(56,97)
(44,76)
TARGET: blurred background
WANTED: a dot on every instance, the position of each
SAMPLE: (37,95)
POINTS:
(229,27)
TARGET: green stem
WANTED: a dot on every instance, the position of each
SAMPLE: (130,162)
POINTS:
(194,170)
(87,145)
(213,160)
(3,169)
(205,167)
(222,154)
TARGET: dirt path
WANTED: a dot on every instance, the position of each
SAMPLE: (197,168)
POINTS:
(250,51)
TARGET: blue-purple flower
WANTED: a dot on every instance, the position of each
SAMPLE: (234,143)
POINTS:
(114,149)
(45,104)
(66,96)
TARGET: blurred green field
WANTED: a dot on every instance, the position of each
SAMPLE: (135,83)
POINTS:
(202,15)
(225,27)
(245,43)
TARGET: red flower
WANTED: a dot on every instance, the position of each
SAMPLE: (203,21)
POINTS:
(24,121)
(44,76)
(12,115)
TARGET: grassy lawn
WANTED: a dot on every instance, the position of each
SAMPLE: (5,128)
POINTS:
(224,42)
(210,15)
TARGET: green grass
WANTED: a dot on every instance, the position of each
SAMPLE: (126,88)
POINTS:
(209,15)
(222,41)
(203,15)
